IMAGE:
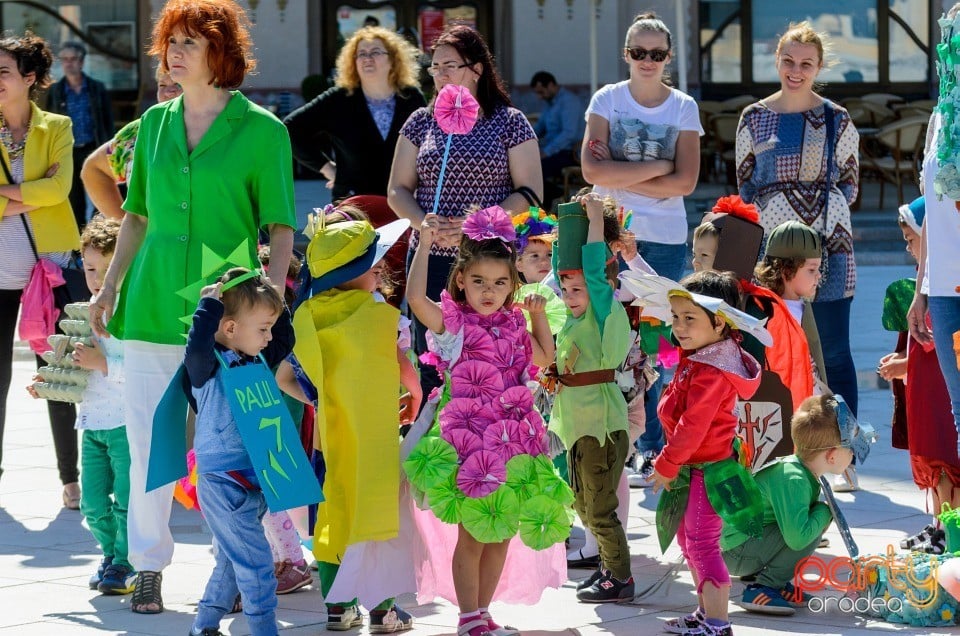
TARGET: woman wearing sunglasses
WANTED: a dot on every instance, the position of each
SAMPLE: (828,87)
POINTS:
(349,132)
(798,160)
(642,146)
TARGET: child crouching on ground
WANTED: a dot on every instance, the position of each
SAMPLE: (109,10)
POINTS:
(239,324)
(794,518)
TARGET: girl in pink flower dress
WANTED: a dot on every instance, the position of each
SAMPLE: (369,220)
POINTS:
(482,467)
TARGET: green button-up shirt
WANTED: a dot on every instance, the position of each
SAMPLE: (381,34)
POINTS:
(237,180)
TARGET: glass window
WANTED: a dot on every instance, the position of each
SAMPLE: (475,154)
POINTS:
(908,59)
(109,27)
(720,41)
(851,25)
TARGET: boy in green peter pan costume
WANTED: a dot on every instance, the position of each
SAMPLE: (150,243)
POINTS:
(589,412)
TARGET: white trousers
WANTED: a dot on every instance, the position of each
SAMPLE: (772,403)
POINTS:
(148,369)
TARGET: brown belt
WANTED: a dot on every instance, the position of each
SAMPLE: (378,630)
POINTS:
(585,378)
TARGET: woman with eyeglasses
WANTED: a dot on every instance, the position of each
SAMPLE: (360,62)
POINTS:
(348,133)
(496,163)
(642,146)
(798,160)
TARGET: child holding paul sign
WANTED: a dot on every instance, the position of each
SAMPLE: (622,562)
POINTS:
(240,326)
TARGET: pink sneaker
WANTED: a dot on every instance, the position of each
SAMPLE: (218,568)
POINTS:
(290,577)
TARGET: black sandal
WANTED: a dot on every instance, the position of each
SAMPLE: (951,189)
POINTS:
(147,592)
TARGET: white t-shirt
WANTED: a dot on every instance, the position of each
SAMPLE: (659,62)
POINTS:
(638,133)
(943,231)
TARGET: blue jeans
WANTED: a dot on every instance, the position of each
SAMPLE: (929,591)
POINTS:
(244,562)
(833,324)
(670,261)
(945,316)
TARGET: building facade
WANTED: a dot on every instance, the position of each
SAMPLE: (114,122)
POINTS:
(723,48)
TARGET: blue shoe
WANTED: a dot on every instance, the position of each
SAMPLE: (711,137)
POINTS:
(96,578)
(794,596)
(765,600)
(117,580)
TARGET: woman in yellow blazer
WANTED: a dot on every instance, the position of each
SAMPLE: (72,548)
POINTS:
(37,148)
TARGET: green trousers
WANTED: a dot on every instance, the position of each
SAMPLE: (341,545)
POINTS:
(594,475)
(768,557)
(105,489)
(327,572)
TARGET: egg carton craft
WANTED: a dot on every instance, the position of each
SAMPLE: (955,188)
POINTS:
(62,379)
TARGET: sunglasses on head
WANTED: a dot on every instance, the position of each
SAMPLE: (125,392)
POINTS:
(639,54)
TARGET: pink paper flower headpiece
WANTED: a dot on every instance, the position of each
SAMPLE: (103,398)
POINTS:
(490,223)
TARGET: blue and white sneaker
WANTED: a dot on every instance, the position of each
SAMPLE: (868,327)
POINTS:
(765,600)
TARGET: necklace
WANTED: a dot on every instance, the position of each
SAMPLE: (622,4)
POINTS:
(14,149)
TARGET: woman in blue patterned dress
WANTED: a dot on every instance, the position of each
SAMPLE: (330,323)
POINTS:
(798,160)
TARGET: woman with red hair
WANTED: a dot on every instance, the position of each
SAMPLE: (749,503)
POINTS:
(211,169)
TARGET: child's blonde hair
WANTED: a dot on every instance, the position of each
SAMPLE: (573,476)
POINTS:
(705,229)
(814,427)
(251,293)
(100,234)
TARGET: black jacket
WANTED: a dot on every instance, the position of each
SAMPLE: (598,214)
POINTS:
(342,123)
(100,109)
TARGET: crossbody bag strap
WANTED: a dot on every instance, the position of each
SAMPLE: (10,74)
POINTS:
(23,217)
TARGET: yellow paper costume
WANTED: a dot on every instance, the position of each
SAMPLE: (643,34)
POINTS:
(347,346)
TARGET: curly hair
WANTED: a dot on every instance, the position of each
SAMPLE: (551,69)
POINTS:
(404,72)
(32,55)
(472,251)
(225,27)
(774,271)
(100,234)
(253,292)
(491,92)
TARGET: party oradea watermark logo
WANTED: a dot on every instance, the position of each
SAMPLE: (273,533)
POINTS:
(855,577)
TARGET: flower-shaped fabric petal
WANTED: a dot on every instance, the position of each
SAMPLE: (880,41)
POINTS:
(464,440)
(431,461)
(543,522)
(503,438)
(481,474)
(452,313)
(477,345)
(476,379)
(556,310)
(459,413)
(533,436)
(523,478)
(446,499)
(484,418)
(551,484)
(514,403)
(493,518)
(490,223)
(455,110)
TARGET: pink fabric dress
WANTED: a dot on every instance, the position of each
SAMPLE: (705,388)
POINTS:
(491,424)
